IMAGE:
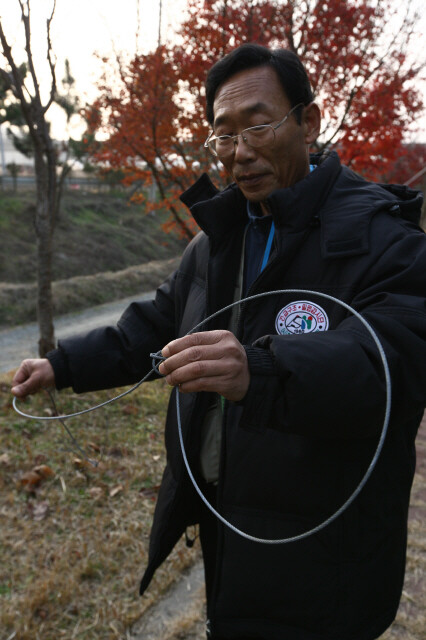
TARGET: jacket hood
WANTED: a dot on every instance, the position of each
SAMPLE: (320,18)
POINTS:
(409,201)
(351,203)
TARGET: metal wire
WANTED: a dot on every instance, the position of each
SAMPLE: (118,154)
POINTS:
(377,452)
(156,357)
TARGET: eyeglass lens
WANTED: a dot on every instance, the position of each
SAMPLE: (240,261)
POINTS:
(254,136)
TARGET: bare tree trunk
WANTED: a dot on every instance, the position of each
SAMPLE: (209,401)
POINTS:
(44,292)
(45,161)
(45,218)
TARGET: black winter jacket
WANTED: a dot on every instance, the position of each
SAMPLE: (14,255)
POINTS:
(300,441)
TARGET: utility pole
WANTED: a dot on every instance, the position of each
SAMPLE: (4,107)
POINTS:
(138,24)
(159,22)
(2,158)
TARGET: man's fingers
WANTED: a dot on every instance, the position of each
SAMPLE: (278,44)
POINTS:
(32,376)
(29,386)
(196,371)
(22,373)
(21,390)
(189,355)
(207,361)
(193,340)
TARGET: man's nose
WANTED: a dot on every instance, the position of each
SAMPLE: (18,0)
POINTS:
(243,151)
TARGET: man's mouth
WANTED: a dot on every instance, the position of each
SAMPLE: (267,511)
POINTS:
(249,179)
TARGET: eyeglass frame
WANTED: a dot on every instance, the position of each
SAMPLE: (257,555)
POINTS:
(241,134)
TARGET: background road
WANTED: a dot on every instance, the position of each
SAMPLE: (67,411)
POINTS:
(22,342)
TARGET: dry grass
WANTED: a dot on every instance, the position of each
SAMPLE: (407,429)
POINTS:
(74,547)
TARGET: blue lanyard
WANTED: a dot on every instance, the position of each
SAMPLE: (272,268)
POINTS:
(268,247)
(271,236)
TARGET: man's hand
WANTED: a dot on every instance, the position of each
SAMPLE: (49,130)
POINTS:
(207,361)
(32,376)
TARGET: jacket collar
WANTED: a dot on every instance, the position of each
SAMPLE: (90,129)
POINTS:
(217,212)
(295,207)
(344,221)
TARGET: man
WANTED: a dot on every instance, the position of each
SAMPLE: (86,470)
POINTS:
(282,399)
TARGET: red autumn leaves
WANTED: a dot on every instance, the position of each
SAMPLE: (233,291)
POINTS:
(356,56)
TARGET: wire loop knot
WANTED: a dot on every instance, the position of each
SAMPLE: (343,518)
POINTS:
(157,359)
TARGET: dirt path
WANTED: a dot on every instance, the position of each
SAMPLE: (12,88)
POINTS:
(180,614)
(21,342)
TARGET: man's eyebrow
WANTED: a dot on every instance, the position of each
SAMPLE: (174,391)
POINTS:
(246,111)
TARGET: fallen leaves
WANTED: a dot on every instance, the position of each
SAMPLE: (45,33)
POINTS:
(39,510)
(31,480)
(44,471)
(116,490)
(5,459)
(130,410)
(99,491)
(149,493)
(96,492)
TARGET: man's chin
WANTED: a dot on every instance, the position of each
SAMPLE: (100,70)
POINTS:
(255,195)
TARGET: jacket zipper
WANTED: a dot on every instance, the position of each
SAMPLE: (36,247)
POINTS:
(219,485)
(218,490)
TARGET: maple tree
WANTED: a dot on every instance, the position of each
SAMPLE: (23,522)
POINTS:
(356,56)
(148,132)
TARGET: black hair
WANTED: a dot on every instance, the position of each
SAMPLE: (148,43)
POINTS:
(287,65)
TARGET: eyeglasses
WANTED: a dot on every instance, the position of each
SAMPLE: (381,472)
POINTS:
(261,135)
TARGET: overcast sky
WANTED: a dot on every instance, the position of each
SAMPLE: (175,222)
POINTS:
(82,27)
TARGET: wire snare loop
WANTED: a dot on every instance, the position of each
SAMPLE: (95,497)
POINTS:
(157,358)
(373,462)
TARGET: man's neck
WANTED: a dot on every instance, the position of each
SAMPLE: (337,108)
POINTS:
(264,207)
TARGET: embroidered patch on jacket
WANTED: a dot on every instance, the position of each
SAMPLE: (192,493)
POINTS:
(301,317)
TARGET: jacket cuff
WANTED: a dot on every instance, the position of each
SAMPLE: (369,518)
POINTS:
(258,403)
(260,361)
(58,360)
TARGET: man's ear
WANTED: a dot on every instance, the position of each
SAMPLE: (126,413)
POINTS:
(311,122)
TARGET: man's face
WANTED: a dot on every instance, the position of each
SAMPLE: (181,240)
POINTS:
(253,97)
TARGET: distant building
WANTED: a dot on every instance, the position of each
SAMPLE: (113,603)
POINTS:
(9,155)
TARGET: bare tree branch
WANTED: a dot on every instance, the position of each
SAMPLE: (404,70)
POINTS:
(27,27)
(48,191)
(52,64)
(17,85)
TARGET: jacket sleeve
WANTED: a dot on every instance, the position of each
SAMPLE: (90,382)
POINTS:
(331,384)
(117,355)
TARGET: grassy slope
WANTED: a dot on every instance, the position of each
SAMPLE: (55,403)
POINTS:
(96,234)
